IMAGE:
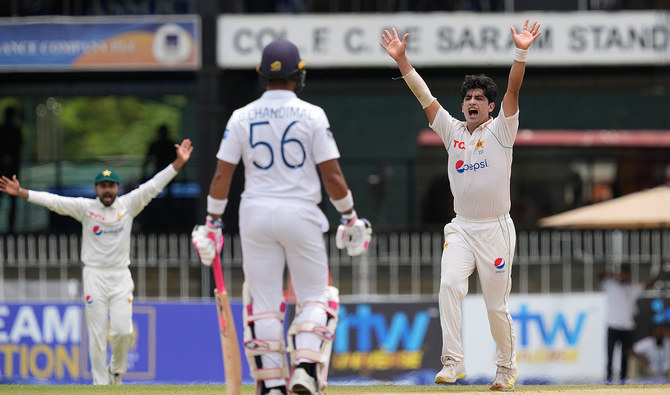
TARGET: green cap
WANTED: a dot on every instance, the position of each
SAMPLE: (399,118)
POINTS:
(107,175)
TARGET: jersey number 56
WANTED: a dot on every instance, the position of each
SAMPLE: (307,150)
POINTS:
(285,140)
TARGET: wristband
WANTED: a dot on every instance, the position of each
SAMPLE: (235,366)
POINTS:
(216,206)
(214,223)
(344,204)
(349,219)
(520,55)
(419,88)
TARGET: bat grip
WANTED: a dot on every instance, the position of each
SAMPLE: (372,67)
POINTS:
(216,267)
(218,274)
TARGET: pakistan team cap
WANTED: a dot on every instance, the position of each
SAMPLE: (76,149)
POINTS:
(280,58)
(107,175)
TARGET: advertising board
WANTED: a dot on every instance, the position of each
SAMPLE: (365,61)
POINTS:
(100,43)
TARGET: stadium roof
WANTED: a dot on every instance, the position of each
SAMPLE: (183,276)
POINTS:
(645,209)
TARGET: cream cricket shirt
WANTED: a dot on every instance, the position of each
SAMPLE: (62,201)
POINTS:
(280,138)
(106,230)
(480,164)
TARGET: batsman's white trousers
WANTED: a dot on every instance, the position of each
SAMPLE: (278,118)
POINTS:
(109,304)
(487,245)
(273,232)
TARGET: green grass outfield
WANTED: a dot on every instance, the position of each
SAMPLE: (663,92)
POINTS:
(372,389)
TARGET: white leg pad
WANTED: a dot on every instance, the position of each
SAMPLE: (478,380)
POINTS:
(325,332)
(255,348)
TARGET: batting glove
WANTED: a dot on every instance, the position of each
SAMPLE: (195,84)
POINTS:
(208,240)
(354,234)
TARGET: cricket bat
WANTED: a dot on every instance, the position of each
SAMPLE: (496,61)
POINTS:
(232,365)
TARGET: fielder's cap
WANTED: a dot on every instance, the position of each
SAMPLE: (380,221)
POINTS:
(280,58)
(107,175)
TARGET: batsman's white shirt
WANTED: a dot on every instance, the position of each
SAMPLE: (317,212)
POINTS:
(482,235)
(281,139)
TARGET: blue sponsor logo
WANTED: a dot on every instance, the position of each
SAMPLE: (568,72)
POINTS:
(462,167)
(660,313)
(528,321)
(98,230)
(389,333)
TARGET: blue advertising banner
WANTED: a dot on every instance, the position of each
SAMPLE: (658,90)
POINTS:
(174,343)
(100,44)
(179,343)
(389,342)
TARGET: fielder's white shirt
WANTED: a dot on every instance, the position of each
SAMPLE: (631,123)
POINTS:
(280,139)
(621,303)
(480,164)
(658,356)
(106,230)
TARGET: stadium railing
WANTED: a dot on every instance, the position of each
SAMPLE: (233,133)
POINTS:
(398,265)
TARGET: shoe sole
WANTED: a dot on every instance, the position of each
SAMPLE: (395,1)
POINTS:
(501,387)
(299,389)
(443,381)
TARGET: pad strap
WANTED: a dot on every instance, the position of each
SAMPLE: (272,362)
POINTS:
(255,348)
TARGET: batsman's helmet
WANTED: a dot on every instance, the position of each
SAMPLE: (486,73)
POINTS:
(281,60)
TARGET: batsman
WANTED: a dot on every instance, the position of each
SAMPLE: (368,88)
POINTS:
(285,143)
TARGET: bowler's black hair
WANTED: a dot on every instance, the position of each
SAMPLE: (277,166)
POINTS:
(480,82)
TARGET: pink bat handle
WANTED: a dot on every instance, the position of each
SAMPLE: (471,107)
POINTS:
(216,265)
(218,279)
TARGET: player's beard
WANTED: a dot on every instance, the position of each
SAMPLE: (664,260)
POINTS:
(107,199)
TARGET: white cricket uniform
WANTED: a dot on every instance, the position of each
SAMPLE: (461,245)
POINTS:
(281,139)
(621,303)
(657,355)
(105,252)
(482,234)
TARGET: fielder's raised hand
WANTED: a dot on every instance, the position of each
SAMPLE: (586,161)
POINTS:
(183,154)
(523,39)
(12,186)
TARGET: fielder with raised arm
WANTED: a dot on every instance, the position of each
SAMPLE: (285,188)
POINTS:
(105,251)
(482,234)
(284,143)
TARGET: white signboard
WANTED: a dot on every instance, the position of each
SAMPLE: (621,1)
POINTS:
(450,39)
(559,338)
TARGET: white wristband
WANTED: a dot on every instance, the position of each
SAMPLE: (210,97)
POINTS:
(419,88)
(344,204)
(216,206)
(520,55)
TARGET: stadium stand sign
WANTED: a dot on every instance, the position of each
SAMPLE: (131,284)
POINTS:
(450,39)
